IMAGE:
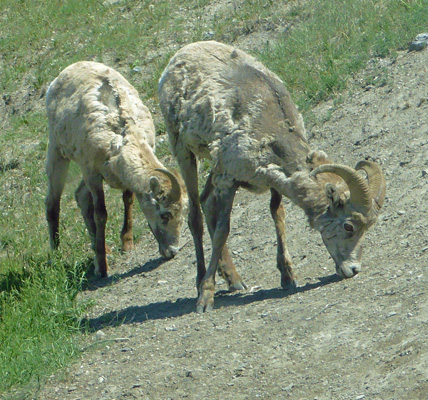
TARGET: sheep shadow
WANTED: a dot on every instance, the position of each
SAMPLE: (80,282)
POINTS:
(94,283)
(184,306)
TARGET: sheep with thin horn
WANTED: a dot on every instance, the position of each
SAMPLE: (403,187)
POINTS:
(97,119)
(220,103)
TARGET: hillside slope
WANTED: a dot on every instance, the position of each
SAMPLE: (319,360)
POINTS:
(333,339)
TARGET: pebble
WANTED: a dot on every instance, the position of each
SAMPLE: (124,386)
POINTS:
(420,42)
(100,335)
(287,388)
(171,328)
(108,3)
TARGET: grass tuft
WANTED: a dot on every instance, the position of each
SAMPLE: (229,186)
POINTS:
(39,318)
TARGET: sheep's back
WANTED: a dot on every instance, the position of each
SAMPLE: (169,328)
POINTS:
(220,102)
(91,108)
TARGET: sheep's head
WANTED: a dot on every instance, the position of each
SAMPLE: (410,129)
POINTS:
(347,218)
(165,206)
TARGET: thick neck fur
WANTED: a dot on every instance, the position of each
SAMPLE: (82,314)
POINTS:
(308,194)
(131,166)
(305,191)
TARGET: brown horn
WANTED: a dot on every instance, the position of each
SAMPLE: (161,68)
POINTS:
(175,193)
(358,187)
(377,184)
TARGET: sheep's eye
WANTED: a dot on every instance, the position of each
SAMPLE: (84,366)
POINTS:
(166,216)
(348,227)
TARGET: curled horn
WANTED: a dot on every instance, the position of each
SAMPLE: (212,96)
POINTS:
(377,184)
(358,187)
(175,192)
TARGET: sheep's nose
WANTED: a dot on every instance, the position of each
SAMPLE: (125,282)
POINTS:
(348,270)
(169,252)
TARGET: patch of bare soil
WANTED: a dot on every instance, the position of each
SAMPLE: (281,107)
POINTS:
(362,338)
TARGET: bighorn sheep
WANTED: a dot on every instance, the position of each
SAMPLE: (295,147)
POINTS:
(218,102)
(97,119)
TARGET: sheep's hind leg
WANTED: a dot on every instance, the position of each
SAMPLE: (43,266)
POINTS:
(219,217)
(95,185)
(226,268)
(126,234)
(56,170)
(283,257)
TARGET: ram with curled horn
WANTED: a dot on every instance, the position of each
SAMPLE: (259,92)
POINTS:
(97,119)
(220,103)
(347,218)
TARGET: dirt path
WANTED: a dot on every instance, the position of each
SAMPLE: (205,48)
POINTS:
(363,338)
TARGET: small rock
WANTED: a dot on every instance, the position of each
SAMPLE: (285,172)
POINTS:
(424,173)
(100,335)
(171,328)
(401,212)
(108,3)
(420,42)
(360,397)
(137,70)
(126,349)
(287,388)
(208,35)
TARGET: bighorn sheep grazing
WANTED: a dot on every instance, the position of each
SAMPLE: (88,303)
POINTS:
(218,102)
(97,119)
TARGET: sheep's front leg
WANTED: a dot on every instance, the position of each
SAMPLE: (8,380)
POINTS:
(126,234)
(85,202)
(95,185)
(283,257)
(219,214)
(226,267)
(189,172)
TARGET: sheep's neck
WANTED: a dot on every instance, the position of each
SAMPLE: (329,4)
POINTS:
(134,165)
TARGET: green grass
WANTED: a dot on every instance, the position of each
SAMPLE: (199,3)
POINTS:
(321,46)
(337,39)
(39,318)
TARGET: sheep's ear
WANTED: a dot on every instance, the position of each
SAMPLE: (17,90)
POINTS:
(155,186)
(333,195)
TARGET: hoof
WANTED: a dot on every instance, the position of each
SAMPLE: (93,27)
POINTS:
(289,285)
(100,273)
(200,309)
(237,286)
(205,302)
(127,246)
